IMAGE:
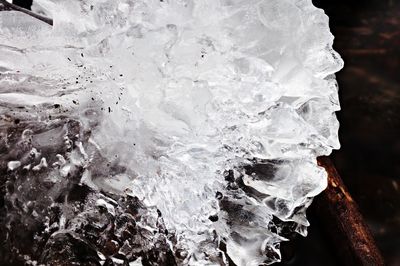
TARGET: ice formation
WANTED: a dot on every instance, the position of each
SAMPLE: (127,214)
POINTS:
(164,132)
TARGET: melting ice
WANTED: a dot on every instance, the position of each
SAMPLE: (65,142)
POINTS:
(175,132)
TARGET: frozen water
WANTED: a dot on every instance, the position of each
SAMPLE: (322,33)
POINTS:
(184,131)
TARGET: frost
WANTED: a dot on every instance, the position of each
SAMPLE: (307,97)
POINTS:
(185,129)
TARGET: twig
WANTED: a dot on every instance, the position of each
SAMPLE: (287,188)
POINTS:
(344,223)
(28,12)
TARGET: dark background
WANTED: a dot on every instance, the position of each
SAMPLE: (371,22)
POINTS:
(368,38)
(367,35)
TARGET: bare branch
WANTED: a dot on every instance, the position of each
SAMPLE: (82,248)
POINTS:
(26,11)
(344,223)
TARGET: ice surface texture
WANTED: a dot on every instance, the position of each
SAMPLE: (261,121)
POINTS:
(208,114)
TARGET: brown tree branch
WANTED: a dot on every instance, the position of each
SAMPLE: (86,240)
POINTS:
(343,222)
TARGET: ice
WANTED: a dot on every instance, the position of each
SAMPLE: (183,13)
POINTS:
(12,165)
(174,132)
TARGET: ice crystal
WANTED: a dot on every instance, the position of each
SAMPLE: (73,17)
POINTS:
(164,132)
